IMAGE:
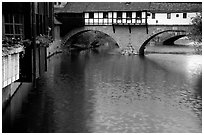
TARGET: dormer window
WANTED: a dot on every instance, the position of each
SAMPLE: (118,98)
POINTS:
(127,3)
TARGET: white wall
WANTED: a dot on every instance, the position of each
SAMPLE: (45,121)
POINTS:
(161,19)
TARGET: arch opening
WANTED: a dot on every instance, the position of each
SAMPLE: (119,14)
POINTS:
(171,40)
(90,39)
(143,46)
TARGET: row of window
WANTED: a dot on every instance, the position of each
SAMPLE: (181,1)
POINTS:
(169,15)
(119,15)
(130,15)
(105,21)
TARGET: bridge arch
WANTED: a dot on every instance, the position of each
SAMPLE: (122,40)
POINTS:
(70,37)
(77,31)
(136,36)
(141,50)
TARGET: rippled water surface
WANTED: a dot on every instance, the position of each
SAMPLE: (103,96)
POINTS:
(99,92)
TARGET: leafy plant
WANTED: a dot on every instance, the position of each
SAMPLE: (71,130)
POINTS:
(10,45)
(196,32)
(43,40)
(15,42)
(9,42)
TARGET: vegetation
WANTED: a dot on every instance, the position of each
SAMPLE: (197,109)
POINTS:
(14,42)
(196,33)
(44,40)
(11,44)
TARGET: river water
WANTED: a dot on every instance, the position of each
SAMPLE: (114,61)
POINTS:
(106,92)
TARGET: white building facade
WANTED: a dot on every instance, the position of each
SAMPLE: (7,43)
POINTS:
(120,17)
(138,18)
(171,18)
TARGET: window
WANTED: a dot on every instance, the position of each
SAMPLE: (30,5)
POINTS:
(184,15)
(105,14)
(119,15)
(177,15)
(168,15)
(91,15)
(129,15)
(153,15)
(14,25)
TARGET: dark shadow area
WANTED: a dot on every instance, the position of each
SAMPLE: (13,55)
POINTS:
(90,40)
(171,40)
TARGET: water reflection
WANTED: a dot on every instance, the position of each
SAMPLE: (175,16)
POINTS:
(101,92)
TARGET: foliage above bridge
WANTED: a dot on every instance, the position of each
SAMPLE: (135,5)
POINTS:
(196,33)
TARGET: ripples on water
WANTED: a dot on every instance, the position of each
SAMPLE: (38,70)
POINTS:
(97,92)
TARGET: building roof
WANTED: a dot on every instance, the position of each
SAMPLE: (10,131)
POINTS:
(80,7)
(175,7)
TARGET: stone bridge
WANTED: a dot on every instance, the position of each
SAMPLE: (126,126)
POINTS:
(138,36)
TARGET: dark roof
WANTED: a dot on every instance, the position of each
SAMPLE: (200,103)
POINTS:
(175,7)
(80,7)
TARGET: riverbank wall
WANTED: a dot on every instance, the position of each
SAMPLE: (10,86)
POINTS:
(9,92)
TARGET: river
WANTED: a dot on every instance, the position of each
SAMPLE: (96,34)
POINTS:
(106,92)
